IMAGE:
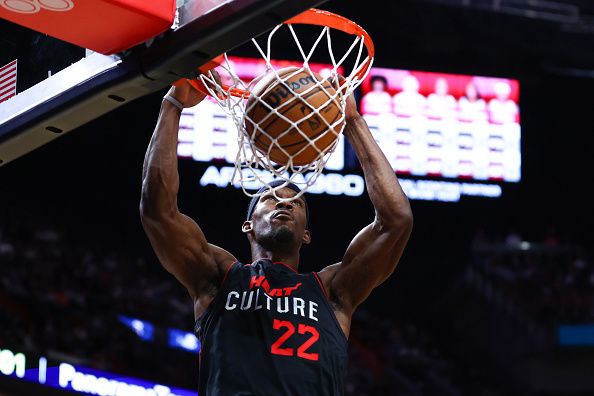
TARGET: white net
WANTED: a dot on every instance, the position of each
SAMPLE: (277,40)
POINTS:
(275,143)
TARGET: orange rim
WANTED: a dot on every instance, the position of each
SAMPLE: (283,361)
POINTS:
(312,16)
(326,18)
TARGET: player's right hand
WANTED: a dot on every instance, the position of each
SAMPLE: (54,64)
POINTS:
(187,94)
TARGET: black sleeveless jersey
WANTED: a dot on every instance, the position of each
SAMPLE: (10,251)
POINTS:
(270,331)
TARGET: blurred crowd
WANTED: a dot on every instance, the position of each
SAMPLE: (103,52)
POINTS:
(62,299)
(441,104)
(59,298)
(390,357)
(551,280)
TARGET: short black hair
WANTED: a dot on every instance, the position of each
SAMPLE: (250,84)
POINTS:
(378,78)
(273,184)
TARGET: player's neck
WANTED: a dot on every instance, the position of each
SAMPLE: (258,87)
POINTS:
(289,258)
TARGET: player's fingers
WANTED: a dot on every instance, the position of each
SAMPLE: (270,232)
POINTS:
(340,84)
(211,81)
(216,76)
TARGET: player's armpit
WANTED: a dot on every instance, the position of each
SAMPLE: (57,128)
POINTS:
(369,260)
(183,251)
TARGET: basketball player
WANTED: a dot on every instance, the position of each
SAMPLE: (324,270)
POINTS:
(265,328)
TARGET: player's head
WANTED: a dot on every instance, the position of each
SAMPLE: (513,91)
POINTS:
(378,83)
(277,224)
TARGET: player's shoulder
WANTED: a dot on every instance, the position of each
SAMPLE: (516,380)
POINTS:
(223,259)
(327,274)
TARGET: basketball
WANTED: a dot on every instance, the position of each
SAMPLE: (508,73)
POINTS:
(274,133)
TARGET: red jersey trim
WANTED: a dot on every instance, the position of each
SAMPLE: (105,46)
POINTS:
(329,306)
(320,283)
(207,310)
(286,265)
(275,262)
(227,273)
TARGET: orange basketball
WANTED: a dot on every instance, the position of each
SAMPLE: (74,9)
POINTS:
(270,93)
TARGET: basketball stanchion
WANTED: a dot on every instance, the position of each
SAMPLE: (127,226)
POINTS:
(289,120)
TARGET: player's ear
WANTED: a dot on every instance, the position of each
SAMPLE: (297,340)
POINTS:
(247,226)
(306,237)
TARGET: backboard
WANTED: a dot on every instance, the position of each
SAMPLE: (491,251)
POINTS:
(97,84)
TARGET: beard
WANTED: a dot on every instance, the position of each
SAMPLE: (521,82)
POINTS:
(283,235)
(277,237)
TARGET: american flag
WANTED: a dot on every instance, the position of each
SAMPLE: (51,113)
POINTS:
(8,81)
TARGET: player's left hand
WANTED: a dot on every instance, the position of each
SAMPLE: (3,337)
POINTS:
(350,111)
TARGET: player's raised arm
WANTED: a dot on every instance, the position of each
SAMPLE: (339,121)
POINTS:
(177,240)
(374,253)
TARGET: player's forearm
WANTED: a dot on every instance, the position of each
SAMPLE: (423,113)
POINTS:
(386,195)
(160,178)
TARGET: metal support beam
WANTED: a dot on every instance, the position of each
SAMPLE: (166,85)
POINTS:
(99,84)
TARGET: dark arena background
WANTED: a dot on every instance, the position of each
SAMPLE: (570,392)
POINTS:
(494,295)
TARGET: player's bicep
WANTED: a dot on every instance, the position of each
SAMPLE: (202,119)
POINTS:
(184,251)
(369,260)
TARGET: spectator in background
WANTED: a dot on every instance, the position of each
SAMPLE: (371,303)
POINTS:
(409,102)
(440,103)
(378,100)
(502,109)
(471,107)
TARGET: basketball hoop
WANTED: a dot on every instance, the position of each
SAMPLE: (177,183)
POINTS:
(253,165)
